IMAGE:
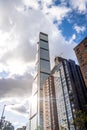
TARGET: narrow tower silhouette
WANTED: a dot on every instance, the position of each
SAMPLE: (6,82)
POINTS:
(43,72)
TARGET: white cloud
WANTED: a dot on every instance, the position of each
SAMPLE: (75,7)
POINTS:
(79,28)
(72,38)
(20,29)
(19,109)
(58,12)
(80,5)
(33,4)
(16,105)
(17,45)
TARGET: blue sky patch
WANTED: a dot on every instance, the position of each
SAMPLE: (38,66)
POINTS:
(67,29)
(4,74)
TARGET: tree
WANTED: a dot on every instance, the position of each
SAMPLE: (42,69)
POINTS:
(81,119)
(7,126)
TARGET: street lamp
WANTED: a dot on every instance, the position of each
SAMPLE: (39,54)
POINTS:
(2,116)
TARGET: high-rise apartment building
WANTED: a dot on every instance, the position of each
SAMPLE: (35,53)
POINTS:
(70,92)
(43,72)
(50,116)
(64,92)
(81,53)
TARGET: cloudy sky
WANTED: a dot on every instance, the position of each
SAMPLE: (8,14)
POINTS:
(20,23)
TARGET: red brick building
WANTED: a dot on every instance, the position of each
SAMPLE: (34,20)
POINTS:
(81,53)
(50,116)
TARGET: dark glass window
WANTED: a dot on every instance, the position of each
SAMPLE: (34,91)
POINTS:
(85,44)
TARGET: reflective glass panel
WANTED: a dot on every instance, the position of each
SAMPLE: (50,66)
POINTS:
(44,37)
(45,66)
(44,54)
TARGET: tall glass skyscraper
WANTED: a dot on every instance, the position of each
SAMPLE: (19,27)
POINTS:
(42,73)
(70,92)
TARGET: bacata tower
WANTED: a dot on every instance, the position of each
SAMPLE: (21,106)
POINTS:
(42,73)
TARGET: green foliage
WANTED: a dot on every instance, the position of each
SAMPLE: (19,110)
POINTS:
(7,126)
(81,119)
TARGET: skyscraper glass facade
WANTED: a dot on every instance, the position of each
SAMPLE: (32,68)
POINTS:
(42,73)
(70,92)
(65,115)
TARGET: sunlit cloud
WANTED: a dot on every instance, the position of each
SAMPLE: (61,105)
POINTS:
(80,5)
(79,28)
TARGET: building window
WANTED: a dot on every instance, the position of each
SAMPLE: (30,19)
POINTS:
(85,44)
(77,50)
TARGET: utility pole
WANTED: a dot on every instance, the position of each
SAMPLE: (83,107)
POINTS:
(2,118)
